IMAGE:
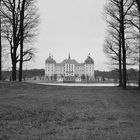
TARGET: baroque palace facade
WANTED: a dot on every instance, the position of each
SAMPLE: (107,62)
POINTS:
(69,70)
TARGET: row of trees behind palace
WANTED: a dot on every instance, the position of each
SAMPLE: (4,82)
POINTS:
(122,41)
(19,22)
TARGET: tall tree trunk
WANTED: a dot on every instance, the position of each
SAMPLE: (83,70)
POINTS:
(120,62)
(14,67)
(0,48)
(22,39)
(120,52)
(13,54)
(123,43)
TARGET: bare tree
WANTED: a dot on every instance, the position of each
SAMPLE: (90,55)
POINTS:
(22,38)
(20,22)
(124,6)
(10,29)
(118,12)
(112,46)
(29,20)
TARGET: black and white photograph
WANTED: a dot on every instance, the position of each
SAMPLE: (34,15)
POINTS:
(69,69)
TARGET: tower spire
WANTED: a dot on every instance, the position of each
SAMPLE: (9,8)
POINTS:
(69,56)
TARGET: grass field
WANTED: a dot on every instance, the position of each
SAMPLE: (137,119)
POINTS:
(40,112)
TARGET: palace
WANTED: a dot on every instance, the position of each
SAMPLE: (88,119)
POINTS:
(69,70)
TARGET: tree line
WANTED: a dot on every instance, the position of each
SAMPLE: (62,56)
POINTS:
(122,41)
(132,74)
(19,20)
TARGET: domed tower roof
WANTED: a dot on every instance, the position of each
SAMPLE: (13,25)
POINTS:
(50,60)
(89,60)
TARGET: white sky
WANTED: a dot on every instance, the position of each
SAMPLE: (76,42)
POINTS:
(75,26)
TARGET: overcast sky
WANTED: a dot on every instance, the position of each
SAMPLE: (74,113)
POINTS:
(74,26)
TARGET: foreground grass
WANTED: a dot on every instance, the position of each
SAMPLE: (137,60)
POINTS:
(39,112)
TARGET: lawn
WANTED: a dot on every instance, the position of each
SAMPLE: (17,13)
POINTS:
(39,112)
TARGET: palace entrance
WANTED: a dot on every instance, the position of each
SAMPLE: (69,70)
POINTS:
(69,79)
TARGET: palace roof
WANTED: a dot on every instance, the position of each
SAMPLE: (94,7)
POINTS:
(89,60)
(50,60)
